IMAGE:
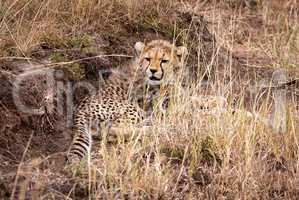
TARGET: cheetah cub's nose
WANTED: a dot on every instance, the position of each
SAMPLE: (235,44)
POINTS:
(153,71)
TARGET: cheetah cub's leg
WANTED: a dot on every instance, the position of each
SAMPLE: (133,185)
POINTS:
(127,117)
(133,114)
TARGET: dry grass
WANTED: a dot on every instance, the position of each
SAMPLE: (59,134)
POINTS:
(185,154)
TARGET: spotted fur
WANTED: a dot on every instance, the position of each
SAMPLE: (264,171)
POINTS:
(116,101)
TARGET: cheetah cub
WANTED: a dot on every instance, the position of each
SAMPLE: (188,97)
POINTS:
(116,101)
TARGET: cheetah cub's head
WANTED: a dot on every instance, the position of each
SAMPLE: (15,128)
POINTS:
(160,59)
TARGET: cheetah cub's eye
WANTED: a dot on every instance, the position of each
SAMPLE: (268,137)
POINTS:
(148,59)
(164,61)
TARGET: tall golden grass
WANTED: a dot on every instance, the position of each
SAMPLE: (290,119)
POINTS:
(185,154)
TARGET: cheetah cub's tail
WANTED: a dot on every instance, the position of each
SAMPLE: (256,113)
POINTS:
(81,145)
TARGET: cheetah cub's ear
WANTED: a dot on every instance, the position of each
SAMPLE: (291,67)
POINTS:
(139,47)
(182,51)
